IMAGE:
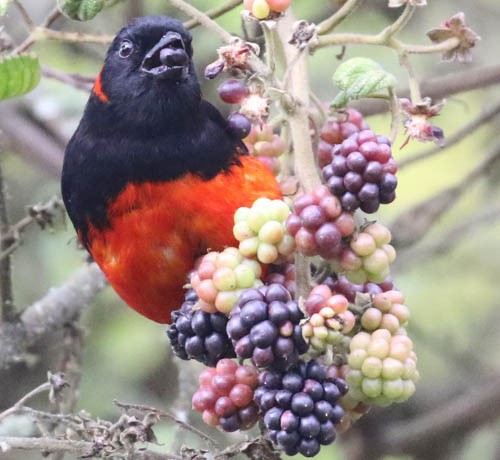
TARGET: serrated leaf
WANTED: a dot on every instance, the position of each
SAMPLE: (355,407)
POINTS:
(360,77)
(4,5)
(80,10)
(18,75)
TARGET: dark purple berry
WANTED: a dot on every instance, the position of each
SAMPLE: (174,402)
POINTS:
(289,421)
(239,125)
(302,404)
(272,418)
(263,357)
(332,393)
(356,162)
(263,334)
(314,389)
(283,398)
(309,426)
(287,439)
(353,181)
(309,447)
(293,382)
(323,411)
(327,433)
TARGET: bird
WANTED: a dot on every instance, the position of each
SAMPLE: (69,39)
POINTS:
(153,174)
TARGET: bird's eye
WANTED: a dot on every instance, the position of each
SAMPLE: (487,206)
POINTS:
(126,48)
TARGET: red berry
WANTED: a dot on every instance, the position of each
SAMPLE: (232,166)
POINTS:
(241,395)
(233,91)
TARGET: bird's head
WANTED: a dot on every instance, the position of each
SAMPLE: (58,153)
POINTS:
(148,72)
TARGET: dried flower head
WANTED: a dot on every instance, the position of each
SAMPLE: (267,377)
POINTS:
(398,3)
(455,27)
(416,120)
(304,34)
(255,107)
(233,58)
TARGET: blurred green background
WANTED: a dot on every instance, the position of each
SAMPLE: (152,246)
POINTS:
(453,294)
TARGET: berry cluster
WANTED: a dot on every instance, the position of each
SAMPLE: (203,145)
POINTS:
(264,326)
(368,256)
(225,397)
(386,311)
(382,368)
(353,319)
(196,334)
(261,231)
(362,172)
(337,129)
(221,276)
(263,9)
(319,224)
(329,318)
(300,407)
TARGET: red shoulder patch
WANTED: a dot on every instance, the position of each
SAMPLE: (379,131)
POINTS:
(98,91)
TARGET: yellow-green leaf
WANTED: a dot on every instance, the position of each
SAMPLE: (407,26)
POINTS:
(4,5)
(360,77)
(18,75)
(80,10)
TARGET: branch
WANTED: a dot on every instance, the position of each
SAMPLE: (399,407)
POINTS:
(81,448)
(215,12)
(480,405)
(26,17)
(42,214)
(450,239)
(335,19)
(28,139)
(7,310)
(59,307)
(414,223)
(43,33)
(202,19)
(441,87)
(165,415)
(73,79)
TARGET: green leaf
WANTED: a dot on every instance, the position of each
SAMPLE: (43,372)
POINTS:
(360,77)
(18,75)
(4,5)
(80,10)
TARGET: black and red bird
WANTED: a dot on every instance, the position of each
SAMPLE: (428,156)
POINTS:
(153,174)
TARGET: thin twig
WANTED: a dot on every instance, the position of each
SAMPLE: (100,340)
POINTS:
(449,240)
(43,33)
(202,18)
(7,310)
(335,19)
(27,19)
(441,86)
(75,80)
(39,213)
(445,422)
(166,415)
(487,115)
(51,17)
(415,222)
(43,388)
(214,12)
(30,40)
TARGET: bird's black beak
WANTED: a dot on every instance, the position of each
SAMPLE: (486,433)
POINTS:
(167,59)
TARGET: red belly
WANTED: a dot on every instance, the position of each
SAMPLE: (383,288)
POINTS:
(157,230)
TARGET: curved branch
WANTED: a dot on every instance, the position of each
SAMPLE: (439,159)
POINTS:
(62,305)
